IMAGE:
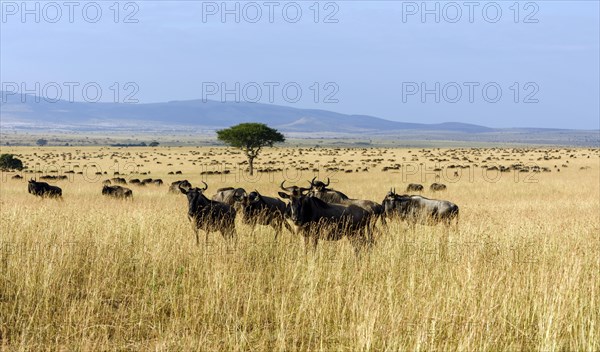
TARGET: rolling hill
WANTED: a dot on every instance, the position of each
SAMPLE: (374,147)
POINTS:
(199,114)
(36,114)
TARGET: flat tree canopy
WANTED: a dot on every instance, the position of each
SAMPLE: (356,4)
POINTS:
(9,162)
(251,138)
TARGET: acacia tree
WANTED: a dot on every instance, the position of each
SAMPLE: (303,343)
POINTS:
(8,161)
(250,138)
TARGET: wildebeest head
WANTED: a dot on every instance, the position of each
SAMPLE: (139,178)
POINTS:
(247,203)
(319,186)
(319,189)
(192,192)
(174,188)
(106,189)
(296,196)
(394,202)
(391,194)
(389,200)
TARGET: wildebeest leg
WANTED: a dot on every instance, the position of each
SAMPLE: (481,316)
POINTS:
(197,236)
(444,245)
(380,230)
(252,225)
(306,243)
(412,224)
(277,227)
(288,226)
(358,242)
(383,220)
(368,231)
(456,225)
(231,235)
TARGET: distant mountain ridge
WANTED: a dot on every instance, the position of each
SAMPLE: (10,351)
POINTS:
(196,113)
(198,117)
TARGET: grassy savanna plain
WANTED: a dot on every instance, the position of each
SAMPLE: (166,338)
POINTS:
(93,273)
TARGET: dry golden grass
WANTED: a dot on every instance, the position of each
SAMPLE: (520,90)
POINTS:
(91,273)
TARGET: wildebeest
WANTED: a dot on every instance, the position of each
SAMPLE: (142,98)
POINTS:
(117,192)
(319,190)
(258,209)
(437,187)
(228,195)
(208,215)
(135,181)
(417,209)
(53,177)
(315,219)
(119,180)
(157,182)
(174,187)
(42,189)
(414,187)
(17,177)
(106,182)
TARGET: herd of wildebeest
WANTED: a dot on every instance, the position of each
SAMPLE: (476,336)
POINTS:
(316,212)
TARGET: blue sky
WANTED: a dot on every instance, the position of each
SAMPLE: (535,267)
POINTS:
(374,58)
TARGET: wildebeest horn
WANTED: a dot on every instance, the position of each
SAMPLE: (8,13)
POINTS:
(285,188)
(327,182)
(312,182)
(183,190)
(205,186)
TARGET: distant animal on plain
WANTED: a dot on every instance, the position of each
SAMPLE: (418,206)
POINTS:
(42,189)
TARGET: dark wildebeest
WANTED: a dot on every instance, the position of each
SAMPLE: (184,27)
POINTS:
(174,187)
(157,182)
(414,187)
(135,181)
(117,192)
(208,215)
(17,177)
(106,182)
(437,187)
(258,209)
(228,195)
(147,180)
(42,189)
(418,209)
(319,190)
(119,180)
(315,219)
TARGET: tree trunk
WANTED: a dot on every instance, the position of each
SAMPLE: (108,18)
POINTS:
(251,164)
